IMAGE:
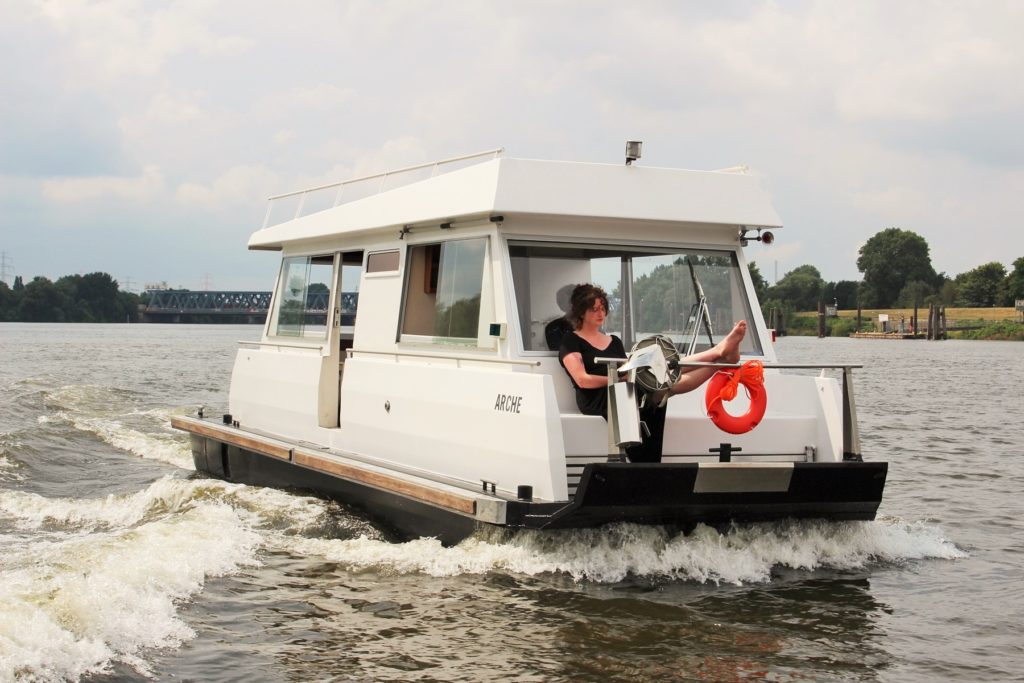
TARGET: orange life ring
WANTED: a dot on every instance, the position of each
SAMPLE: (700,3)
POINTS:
(723,386)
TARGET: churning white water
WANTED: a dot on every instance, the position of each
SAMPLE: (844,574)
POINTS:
(117,560)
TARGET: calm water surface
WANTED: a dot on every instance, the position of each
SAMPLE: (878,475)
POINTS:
(119,563)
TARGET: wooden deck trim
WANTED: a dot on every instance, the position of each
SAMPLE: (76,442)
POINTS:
(231,436)
(426,494)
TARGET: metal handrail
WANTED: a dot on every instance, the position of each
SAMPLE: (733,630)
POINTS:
(384,175)
(495,152)
(309,347)
(777,366)
(457,359)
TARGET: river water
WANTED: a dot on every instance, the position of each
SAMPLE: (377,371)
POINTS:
(119,563)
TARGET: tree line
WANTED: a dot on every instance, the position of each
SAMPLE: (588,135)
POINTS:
(92,298)
(896,267)
(897,273)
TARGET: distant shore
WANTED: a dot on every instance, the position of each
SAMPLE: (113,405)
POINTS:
(992,324)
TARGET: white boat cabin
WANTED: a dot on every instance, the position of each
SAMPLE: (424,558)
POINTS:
(434,354)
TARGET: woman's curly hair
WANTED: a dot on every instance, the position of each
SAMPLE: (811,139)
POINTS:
(582,300)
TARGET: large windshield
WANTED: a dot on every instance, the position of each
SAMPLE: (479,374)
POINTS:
(691,296)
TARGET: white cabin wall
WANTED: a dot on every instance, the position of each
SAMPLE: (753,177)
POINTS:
(458,419)
(792,421)
(277,389)
(830,419)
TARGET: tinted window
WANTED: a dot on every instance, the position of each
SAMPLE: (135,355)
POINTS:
(443,288)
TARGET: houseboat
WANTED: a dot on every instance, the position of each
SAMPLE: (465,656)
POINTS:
(429,391)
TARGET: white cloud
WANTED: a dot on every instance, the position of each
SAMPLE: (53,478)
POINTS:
(135,189)
(120,39)
(861,115)
(238,185)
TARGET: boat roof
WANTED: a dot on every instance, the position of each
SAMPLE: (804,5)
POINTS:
(509,186)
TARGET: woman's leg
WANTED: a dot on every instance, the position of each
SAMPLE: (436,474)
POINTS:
(725,351)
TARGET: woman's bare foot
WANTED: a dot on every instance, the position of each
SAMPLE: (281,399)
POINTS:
(729,348)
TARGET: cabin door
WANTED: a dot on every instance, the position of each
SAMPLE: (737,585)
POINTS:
(347,302)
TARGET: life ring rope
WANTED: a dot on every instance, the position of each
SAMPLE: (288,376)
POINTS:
(724,386)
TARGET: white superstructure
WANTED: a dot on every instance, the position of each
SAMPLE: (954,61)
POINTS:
(433,360)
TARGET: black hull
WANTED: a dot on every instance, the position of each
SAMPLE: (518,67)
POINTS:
(408,517)
(682,495)
(669,494)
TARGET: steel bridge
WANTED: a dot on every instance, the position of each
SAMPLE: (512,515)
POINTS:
(172,306)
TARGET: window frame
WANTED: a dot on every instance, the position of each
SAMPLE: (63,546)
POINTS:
(485,312)
(273,315)
(742,280)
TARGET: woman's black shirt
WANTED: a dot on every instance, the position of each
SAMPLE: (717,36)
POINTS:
(590,401)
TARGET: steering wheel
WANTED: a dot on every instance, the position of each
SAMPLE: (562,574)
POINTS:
(645,378)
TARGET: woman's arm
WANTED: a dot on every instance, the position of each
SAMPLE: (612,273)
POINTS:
(574,366)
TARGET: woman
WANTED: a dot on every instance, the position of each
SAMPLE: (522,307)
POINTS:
(580,349)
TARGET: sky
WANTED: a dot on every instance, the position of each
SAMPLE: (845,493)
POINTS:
(142,139)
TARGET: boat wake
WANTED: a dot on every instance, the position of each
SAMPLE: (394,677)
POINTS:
(111,415)
(85,583)
(743,554)
(9,468)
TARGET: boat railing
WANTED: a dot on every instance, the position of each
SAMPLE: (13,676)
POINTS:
(310,346)
(851,433)
(435,356)
(339,187)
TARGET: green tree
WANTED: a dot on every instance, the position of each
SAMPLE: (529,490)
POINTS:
(8,303)
(914,293)
(1013,285)
(844,293)
(800,288)
(981,286)
(41,302)
(760,284)
(127,307)
(90,298)
(947,295)
(889,260)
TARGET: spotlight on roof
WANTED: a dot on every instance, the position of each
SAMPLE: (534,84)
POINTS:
(633,151)
(763,236)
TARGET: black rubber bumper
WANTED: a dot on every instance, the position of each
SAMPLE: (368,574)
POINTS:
(688,494)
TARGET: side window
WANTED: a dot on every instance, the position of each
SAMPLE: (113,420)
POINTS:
(651,291)
(348,298)
(443,290)
(302,298)
(382,261)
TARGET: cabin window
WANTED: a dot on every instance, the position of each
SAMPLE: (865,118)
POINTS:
(443,289)
(382,261)
(303,297)
(651,291)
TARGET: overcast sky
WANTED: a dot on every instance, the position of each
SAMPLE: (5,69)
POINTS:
(142,138)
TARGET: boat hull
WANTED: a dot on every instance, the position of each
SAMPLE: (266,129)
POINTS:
(677,494)
(684,494)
